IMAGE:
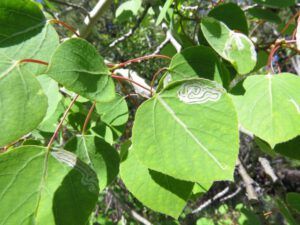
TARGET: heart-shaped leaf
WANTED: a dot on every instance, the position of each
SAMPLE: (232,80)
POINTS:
(232,46)
(77,65)
(270,107)
(188,129)
(41,187)
(22,102)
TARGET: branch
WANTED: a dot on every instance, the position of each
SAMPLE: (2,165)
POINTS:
(169,38)
(268,169)
(132,30)
(211,200)
(93,16)
(248,181)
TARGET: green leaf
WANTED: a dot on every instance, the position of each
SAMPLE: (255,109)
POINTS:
(102,130)
(77,65)
(286,212)
(199,61)
(51,90)
(205,221)
(232,15)
(270,107)
(163,12)
(128,9)
(289,149)
(115,112)
(232,46)
(22,102)
(264,14)
(187,129)
(293,200)
(157,191)
(19,20)
(98,154)
(25,34)
(276,3)
(41,187)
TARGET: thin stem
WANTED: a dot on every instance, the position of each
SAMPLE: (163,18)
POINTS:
(70,28)
(61,122)
(289,22)
(138,60)
(131,81)
(271,55)
(155,76)
(34,61)
(88,117)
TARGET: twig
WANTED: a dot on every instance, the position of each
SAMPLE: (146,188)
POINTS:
(131,81)
(70,28)
(61,122)
(248,181)
(211,200)
(138,60)
(132,30)
(268,169)
(93,16)
(169,38)
(88,117)
(232,195)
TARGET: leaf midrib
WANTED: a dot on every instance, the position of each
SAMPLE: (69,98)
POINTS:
(190,133)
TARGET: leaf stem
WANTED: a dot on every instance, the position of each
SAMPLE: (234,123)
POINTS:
(69,27)
(271,56)
(61,122)
(88,117)
(138,60)
(155,76)
(289,22)
(131,81)
(34,61)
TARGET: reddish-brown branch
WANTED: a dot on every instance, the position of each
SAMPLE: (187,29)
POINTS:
(129,80)
(61,122)
(70,28)
(88,117)
(34,61)
(289,22)
(140,59)
(271,55)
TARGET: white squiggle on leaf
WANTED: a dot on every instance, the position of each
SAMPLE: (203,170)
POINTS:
(88,176)
(239,40)
(199,92)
